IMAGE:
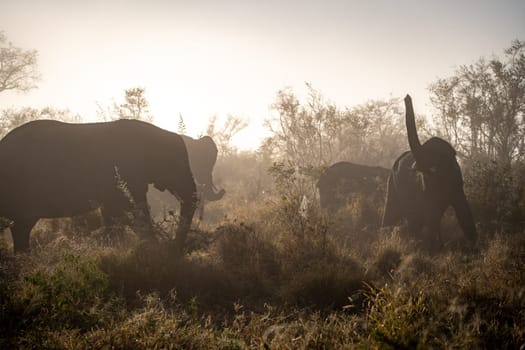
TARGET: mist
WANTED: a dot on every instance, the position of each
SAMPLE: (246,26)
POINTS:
(262,175)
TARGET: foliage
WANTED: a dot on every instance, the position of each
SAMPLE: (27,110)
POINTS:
(18,67)
(181,126)
(293,182)
(318,133)
(481,108)
(496,194)
(65,295)
(223,136)
(135,106)
(305,135)
(11,118)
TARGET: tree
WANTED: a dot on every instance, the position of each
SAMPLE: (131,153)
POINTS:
(12,118)
(318,133)
(305,135)
(135,106)
(481,108)
(223,136)
(18,67)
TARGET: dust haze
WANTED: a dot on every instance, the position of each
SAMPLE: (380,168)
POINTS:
(391,219)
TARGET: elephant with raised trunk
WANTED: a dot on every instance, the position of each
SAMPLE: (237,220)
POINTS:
(339,183)
(50,169)
(424,182)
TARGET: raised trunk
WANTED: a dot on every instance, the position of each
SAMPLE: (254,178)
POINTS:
(413,139)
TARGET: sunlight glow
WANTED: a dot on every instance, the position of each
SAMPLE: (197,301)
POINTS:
(203,59)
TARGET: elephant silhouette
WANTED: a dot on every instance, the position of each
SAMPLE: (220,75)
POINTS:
(51,169)
(424,182)
(340,182)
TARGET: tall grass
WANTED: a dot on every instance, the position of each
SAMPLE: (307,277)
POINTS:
(264,278)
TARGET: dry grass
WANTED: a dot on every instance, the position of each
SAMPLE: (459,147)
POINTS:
(265,278)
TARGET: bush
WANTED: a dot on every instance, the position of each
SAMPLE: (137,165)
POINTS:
(65,296)
(497,196)
(157,267)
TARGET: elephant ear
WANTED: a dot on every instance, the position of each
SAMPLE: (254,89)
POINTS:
(210,145)
(413,139)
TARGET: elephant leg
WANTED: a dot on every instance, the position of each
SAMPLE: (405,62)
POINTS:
(141,211)
(187,209)
(142,220)
(391,213)
(464,216)
(201,210)
(415,227)
(20,232)
(200,203)
(434,230)
(115,210)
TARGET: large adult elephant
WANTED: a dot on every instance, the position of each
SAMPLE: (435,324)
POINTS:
(424,182)
(339,183)
(50,169)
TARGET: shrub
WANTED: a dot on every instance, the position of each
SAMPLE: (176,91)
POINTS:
(252,261)
(497,196)
(65,297)
(324,285)
(400,320)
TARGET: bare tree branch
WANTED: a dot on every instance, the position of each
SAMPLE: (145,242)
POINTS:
(18,67)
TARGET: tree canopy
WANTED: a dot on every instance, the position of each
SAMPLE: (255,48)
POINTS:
(319,133)
(135,106)
(481,108)
(18,67)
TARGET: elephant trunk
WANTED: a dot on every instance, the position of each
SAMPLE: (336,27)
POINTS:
(413,139)
(211,194)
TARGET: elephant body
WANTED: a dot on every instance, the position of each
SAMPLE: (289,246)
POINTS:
(423,183)
(50,169)
(340,182)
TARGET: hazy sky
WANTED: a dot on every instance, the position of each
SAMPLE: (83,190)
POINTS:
(208,57)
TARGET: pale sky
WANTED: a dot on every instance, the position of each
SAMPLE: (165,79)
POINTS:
(206,57)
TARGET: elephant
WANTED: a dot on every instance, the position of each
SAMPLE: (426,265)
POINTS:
(202,154)
(423,183)
(341,181)
(51,169)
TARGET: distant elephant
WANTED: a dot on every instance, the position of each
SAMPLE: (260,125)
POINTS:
(339,183)
(202,154)
(424,182)
(50,169)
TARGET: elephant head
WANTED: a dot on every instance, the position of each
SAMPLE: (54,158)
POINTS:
(203,155)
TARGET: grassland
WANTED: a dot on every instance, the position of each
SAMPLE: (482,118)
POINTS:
(264,278)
